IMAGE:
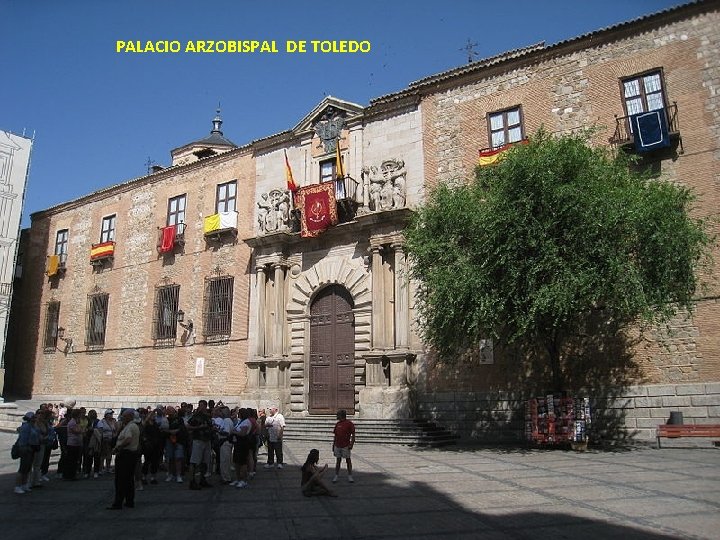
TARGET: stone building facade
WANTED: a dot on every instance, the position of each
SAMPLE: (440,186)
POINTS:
(14,165)
(105,321)
(668,61)
(326,320)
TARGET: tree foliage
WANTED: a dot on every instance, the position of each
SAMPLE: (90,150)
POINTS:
(555,232)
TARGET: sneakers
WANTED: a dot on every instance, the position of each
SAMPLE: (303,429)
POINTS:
(350,479)
(268,466)
(241,484)
(233,483)
(334,479)
(139,487)
(251,474)
(46,478)
(279,465)
(179,480)
(27,488)
(19,490)
(96,475)
(169,478)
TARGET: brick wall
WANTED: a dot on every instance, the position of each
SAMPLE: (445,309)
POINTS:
(129,364)
(579,87)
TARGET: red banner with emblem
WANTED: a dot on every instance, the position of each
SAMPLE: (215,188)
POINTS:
(318,208)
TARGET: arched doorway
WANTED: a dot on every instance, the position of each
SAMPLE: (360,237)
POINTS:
(332,352)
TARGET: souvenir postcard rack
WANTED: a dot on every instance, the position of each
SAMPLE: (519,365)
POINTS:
(556,419)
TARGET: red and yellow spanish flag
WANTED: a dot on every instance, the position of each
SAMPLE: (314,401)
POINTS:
(339,169)
(493,155)
(102,251)
(291,185)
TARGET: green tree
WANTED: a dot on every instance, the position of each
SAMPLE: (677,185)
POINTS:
(538,244)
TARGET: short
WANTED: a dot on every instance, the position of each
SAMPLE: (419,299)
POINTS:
(201,452)
(341,453)
(174,451)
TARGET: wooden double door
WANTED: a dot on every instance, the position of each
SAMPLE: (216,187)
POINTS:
(332,352)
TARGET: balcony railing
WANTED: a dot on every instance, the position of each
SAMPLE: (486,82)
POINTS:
(104,251)
(170,237)
(624,136)
(220,225)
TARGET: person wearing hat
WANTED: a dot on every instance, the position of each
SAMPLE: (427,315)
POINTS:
(28,442)
(126,448)
(108,429)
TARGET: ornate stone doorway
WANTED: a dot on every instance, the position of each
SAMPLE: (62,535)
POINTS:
(332,352)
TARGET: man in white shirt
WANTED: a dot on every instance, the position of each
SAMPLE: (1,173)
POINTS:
(275,425)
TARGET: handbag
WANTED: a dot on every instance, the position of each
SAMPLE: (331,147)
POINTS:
(15,451)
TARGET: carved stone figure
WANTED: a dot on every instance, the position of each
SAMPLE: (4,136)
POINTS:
(263,210)
(274,211)
(386,189)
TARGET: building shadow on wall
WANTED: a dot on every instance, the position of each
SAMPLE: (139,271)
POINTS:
(486,403)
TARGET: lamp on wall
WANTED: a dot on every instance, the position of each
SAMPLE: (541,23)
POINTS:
(180,228)
(68,341)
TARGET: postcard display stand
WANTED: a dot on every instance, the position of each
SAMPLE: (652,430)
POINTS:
(557,420)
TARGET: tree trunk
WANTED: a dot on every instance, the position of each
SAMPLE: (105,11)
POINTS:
(555,368)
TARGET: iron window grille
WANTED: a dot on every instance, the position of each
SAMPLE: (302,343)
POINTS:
(107,233)
(217,306)
(165,310)
(226,197)
(96,322)
(52,318)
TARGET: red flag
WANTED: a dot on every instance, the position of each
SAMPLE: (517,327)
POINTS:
(318,207)
(289,175)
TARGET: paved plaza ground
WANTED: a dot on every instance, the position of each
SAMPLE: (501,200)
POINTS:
(399,492)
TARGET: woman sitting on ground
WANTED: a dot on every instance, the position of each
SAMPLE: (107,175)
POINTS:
(311,483)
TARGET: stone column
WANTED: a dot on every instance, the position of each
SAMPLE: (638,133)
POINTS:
(279,329)
(378,300)
(402,300)
(260,287)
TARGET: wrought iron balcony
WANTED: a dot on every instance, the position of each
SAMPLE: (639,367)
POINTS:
(624,137)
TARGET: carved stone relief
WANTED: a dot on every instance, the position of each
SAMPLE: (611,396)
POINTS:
(328,128)
(274,211)
(386,185)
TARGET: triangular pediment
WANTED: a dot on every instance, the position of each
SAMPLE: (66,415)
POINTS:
(350,111)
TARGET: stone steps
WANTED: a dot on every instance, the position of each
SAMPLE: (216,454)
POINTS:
(379,431)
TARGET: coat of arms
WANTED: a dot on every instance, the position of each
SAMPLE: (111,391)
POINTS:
(328,128)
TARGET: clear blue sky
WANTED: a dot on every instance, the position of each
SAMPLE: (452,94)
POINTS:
(98,115)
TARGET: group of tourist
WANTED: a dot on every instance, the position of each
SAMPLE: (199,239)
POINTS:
(192,441)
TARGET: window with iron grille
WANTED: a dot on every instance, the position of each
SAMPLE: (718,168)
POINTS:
(643,92)
(107,233)
(176,210)
(97,310)
(52,318)
(505,127)
(217,306)
(165,321)
(226,197)
(61,243)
